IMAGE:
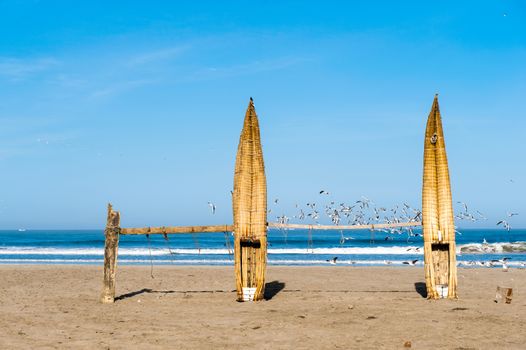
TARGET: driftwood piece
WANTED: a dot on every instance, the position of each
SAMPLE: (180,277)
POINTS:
(175,229)
(229,228)
(111,246)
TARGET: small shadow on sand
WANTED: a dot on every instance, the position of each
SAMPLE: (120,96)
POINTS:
(184,292)
(144,290)
(132,294)
(273,288)
(421,289)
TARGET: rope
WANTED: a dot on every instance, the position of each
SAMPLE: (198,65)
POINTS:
(196,242)
(309,242)
(151,259)
(168,246)
(284,233)
(228,245)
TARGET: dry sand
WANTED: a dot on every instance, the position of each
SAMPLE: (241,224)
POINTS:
(333,307)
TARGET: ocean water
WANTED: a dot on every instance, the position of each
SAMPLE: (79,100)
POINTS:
(286,247)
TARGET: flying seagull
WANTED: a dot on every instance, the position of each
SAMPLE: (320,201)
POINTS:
(501,261)
(212,206)
(505,225)
(411,263)
(332,261)
(465,206)
(482,216)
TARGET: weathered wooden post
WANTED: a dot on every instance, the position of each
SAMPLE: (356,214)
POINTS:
(437,213)
(249,201)
(111,246)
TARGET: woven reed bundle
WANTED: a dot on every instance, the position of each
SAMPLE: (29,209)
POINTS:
(249,201)
(437,211)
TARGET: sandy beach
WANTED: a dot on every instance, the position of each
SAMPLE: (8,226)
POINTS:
(309,308)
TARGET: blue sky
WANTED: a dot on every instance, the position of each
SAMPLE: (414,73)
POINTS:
(142,103)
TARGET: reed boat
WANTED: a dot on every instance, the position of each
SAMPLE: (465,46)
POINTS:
(437,213)
(249,201)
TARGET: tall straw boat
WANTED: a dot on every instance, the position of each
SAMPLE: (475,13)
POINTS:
(437,213)
(249,202)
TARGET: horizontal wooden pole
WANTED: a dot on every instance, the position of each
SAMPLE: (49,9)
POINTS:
(176,229)
(230,228)
(344,227)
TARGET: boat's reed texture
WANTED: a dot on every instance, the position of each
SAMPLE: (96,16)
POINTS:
(437,213)
(249,201)
(111,246)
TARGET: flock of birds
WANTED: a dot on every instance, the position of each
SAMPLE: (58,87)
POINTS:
(504,263)
(492,263)
(465,215)
(361,212)
(365,212)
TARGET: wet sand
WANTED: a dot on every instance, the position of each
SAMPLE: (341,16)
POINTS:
(333,307)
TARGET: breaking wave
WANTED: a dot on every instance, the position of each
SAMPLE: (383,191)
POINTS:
(492,248)
(470,248)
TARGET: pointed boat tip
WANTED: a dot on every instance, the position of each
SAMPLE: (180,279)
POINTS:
(435,101)
(251,105)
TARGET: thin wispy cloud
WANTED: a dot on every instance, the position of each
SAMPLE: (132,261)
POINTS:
(121,87)
(19,69)
(253,67)
(69,81)
(157,55)
(28,135)
(199,74)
